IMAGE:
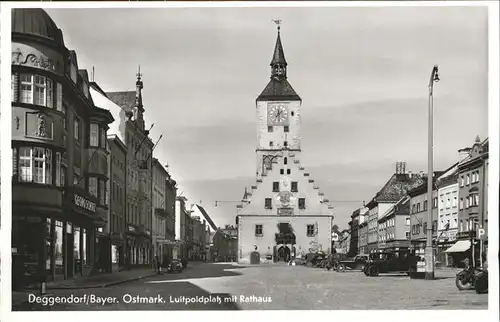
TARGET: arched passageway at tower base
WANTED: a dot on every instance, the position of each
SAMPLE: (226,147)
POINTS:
(283,253)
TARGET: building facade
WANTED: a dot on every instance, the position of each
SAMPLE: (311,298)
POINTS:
(183,229)
(170,197)
(139,204)
(394,189)
(473,184)
(473,191)
(394,226)
(363,237)
(209,227)
(354,224)
(284,214)
(60,171)
(117,201)
(447,186)
(419,214)
(159,213)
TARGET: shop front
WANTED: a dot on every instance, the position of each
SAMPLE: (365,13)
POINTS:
(52,243)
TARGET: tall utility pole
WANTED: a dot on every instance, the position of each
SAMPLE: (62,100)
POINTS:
(429,252)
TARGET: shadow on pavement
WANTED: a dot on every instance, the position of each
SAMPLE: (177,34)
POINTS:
(205,271)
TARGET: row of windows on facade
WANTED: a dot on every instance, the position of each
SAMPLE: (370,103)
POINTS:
(271,143)
(311,230)
(117,223)
(449,203)
(268,204)
(415,229)
(271,128)
(37,165)
(39,90)
(294,187)
(466,180)
(468,225)
(159,227)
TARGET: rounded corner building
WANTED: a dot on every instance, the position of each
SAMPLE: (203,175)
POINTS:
(60,157)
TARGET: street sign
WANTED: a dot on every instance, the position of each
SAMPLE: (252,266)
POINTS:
(481,233)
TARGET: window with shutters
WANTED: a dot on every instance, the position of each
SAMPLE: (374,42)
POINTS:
(295,186)
(276,186)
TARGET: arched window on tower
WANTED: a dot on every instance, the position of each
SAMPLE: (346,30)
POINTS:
(286,160)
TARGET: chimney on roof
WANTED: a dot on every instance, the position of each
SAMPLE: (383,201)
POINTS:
(409,174)
(400,167)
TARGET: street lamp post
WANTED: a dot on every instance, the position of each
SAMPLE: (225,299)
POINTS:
(429,253)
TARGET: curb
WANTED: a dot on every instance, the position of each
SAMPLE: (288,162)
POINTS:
(104,285)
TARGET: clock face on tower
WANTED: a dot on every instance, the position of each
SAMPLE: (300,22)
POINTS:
(277,114)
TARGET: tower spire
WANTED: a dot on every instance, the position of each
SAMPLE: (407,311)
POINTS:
(278,63)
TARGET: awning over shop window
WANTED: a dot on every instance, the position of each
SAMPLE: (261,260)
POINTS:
(460,246)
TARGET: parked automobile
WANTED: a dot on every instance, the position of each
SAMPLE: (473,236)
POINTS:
(314,259)
(387,262)
(356,263)
(175,266)
(297,262)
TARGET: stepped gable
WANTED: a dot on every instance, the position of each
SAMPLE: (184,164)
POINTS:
(272,176)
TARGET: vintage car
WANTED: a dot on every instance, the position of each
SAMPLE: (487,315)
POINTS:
(355,263)
(387,262)
(297,262)
(314,259)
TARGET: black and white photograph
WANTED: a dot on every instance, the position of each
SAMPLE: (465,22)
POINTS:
(234,157)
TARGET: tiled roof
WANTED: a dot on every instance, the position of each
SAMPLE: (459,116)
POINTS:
(126,100)
(397,186)
(278,89)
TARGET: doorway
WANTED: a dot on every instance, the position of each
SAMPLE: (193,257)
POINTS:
(284,254)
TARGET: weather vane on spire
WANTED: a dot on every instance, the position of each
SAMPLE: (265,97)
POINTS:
(278,22)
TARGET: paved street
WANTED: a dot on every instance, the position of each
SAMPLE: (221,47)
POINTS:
(287,287)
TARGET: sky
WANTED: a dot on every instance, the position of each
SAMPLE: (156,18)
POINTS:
(362,74)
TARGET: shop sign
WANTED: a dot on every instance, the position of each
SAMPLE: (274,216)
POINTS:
(84,203)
